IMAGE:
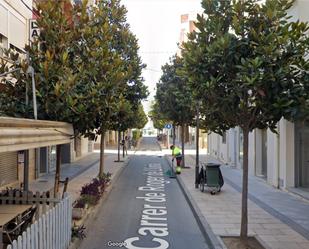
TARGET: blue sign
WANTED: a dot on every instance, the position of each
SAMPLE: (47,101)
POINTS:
(168,126)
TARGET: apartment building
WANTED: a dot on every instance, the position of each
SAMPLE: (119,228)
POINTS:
(14,24)
(17,140)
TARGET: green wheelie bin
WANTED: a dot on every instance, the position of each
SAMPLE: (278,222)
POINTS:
(214,179)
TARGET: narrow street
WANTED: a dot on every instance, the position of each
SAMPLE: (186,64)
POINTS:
(139,216)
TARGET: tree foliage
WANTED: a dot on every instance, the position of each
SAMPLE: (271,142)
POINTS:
(173,94)
(141,118)
(174,98)
(157,117)
(245,62)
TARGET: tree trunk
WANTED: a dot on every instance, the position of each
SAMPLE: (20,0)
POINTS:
(244,207)
(183,145)
(123,145)
(197,136)
(119,137)
(174,134)
(102,148)
(58,167)
(26,170)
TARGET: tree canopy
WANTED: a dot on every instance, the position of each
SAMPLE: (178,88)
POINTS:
(173,95)
(157,117)
(247,64)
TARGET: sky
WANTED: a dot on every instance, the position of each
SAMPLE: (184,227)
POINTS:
(156,23)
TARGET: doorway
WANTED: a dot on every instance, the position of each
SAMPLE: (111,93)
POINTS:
(264,153)
(43,160)
(241,147)
(302,155)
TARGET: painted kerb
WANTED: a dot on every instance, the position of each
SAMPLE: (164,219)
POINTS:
(209,235)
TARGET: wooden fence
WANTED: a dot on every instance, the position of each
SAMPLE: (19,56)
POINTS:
(51,231)
(43,201)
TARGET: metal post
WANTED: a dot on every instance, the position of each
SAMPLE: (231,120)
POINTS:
(35,110)
(26,170)
(197,159)
(123,145)
(174,134)
(168,139)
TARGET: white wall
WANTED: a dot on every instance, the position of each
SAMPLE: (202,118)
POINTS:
(289,155)
(14,21)
(222,151)
(252,153)
(84,146)
(272,158)
(300,11)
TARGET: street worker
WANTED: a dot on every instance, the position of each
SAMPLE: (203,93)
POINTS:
(176,153)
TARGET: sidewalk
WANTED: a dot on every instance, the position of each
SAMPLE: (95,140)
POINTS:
(79,173)
(279,219)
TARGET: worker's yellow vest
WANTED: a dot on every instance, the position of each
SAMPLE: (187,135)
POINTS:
(176,151)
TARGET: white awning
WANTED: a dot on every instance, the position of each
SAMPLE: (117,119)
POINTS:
(21,134)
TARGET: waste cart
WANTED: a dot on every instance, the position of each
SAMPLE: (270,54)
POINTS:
(211,177)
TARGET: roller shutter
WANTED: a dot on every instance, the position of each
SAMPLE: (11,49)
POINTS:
(4,21)
(8,168)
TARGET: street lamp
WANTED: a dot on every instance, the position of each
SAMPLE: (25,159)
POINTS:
(35,110)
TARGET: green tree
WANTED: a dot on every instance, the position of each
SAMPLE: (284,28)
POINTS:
(140,118)
(247,64)
(157,117)
(129,80)
(105,59)
(173,97)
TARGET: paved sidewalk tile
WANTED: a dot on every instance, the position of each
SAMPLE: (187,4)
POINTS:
(46,182)
(79,173)
(290,209)
(223,211)
(112,167)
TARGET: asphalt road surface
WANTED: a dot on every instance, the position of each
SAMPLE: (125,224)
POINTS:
(145,209)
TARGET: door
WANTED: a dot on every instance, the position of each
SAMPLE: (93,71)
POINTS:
(52,158)
(241,147)
(264,153)
(304,159)
(43,160)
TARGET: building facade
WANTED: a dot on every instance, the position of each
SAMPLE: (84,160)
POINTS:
(14,23)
